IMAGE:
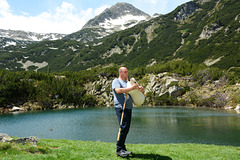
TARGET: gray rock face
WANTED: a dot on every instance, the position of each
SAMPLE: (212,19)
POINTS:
(175,91)
(102,90)
(162,84)
(210,29)
(187,9)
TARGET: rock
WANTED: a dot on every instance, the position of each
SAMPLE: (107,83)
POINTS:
(208,30)
(152,78)
(152,82)
(186,10)
(101,90)
(237,107)
(31,106)
(228,108)
(71,106)
(15,109)
(161,75)
(170,82)
(163,93)
(175,91)
(5,138)
(32,139)
(162,85)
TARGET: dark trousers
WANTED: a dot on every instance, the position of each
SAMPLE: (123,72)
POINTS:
(124,127)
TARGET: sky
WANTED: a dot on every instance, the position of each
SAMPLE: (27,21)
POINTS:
(67,16)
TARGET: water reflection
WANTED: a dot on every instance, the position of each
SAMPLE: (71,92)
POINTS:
(149,125)
(174,125)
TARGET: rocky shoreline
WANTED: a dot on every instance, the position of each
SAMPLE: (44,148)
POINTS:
(179,91)
(7,139)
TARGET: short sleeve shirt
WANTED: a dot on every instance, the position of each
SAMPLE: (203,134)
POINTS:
(120,98)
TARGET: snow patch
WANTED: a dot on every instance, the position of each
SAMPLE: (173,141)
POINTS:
(10,43)
(34,38)
(122,21)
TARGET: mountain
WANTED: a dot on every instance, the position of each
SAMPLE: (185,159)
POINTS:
(117,18)
(17,37)
(206,32)
(29,36)
(5,42)
(120,16)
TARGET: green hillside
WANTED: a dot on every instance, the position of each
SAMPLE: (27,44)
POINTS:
(209,35)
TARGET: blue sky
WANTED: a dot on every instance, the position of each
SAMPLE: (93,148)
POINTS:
(67,16)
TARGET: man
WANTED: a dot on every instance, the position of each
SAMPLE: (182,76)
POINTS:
(119,87)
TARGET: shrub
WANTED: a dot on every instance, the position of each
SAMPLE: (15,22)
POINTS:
(5,146)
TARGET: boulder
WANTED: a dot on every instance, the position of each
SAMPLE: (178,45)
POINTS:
(101,89)
(237,107)
(14,109)
(32,139)
(5,138)
(162,84)
(163,93)
(170,82)
(175,91)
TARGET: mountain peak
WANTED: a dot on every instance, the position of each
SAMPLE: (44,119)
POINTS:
(123,14)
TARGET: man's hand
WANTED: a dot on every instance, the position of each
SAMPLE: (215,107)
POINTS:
(141,89)
(134,86)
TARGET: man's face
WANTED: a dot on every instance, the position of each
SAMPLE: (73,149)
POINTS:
(124,73)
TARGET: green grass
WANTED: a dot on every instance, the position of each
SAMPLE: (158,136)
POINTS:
(75,149)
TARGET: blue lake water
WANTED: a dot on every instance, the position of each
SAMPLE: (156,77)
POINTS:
(151,125)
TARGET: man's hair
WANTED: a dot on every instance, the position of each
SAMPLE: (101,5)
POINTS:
(120,69)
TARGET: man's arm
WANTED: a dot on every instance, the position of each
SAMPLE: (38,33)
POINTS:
(125,90)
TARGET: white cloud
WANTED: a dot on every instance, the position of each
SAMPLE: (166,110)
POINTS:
(65,7)
(4,7)
(88,12)
(64,19)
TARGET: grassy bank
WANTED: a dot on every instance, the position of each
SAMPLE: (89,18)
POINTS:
(74,149)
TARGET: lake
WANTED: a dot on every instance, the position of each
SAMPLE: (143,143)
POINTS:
(150,125)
